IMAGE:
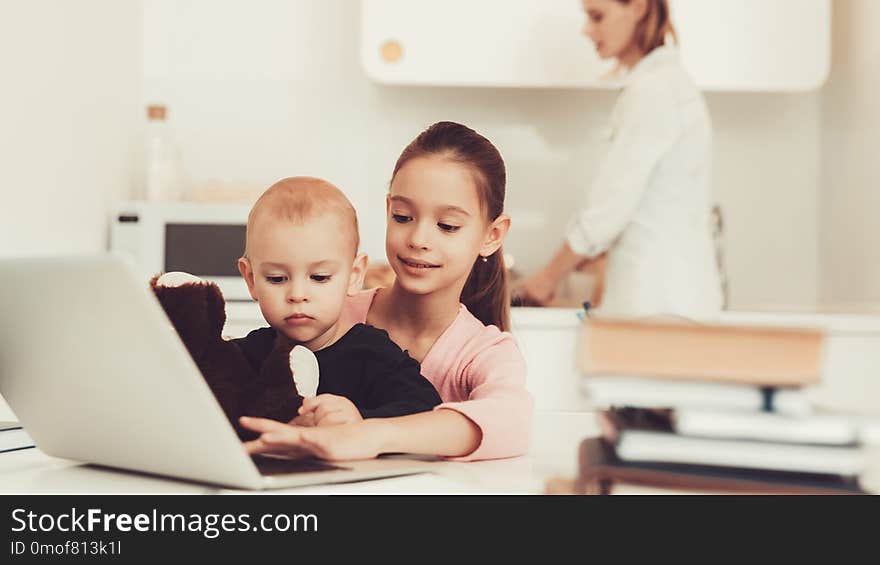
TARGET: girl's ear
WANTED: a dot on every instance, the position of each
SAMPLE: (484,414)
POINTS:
(358,272)
(497,232)
(247,273)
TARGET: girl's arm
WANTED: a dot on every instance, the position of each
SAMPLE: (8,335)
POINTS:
(441,432)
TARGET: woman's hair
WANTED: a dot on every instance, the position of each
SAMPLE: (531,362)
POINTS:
(652,31)
(485,293)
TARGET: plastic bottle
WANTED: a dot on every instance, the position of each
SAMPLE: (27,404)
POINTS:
(164,179)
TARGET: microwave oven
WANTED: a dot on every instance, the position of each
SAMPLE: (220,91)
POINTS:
(205,239)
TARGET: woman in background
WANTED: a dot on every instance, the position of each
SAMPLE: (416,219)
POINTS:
(649,206)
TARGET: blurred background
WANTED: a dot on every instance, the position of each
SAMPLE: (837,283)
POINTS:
(256,91)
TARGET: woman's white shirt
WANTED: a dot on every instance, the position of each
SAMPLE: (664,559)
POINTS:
(650,203)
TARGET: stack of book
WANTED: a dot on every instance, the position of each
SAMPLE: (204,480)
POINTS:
(713,406)
(13,437)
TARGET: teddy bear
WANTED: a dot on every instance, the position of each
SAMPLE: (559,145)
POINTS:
(197,310)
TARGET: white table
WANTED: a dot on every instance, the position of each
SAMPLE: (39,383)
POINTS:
(556,436)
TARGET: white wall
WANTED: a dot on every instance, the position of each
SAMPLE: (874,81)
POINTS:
(766,177)
(69,108)
(262,90)
(851,167)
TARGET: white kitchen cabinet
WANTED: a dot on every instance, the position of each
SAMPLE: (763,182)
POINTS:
(727,45)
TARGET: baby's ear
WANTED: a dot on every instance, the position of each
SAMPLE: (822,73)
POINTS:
(247,273)
(358,272)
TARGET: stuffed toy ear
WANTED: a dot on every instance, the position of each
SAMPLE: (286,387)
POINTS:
(195,307)
(306,372)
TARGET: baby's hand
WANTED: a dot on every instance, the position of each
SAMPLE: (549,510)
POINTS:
(363,440)
(327,410)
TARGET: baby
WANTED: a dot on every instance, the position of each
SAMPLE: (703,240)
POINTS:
(300,262)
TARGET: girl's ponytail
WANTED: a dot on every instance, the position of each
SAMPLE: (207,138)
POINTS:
(486,293)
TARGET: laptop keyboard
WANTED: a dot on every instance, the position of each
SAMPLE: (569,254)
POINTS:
(275,466)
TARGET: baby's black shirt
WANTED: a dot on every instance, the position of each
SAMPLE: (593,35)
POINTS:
(365,366)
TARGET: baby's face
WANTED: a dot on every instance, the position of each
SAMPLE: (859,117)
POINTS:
(300,276)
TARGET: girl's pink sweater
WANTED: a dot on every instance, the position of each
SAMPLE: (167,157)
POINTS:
(480,373)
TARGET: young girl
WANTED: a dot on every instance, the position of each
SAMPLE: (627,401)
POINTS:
(448,307)
(651,200)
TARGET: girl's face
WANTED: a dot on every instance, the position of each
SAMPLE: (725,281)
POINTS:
(436,227)
(611,26)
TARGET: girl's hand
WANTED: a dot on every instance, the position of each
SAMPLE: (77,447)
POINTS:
(359,440)
(327,410)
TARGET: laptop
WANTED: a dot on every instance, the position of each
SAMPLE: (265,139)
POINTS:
(95,372)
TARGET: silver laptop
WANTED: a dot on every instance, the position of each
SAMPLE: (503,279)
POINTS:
(95,372)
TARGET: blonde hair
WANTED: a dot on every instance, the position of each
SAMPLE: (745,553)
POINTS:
(655,27)
(298,199)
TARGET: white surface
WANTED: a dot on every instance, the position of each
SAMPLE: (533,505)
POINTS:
(14,439)
(603,392)
(671,448)
(555,440)
(749,45)
(765,426)
(836,324)
(850,168)
(69,105)
(6,413)
(548,341)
